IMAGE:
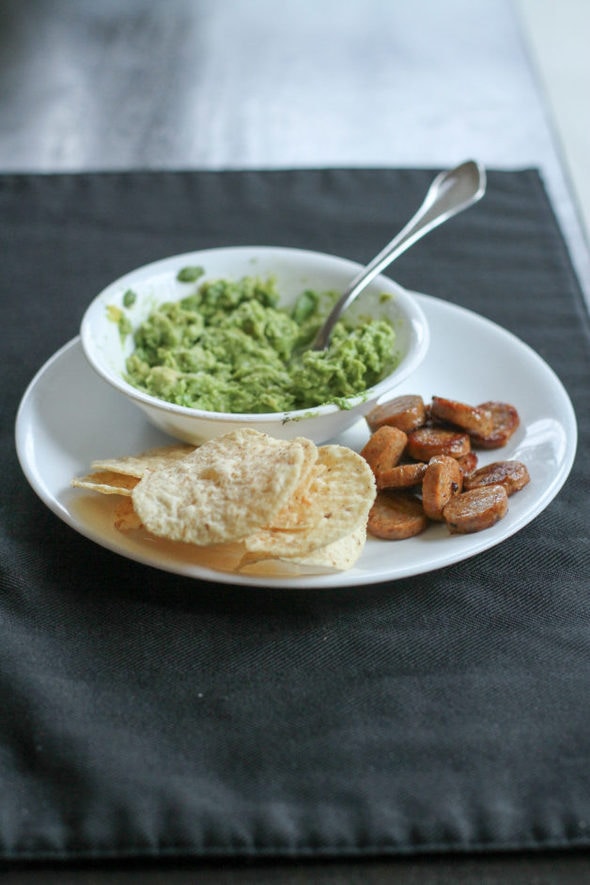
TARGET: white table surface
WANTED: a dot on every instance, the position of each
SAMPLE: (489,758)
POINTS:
(213,84)
(558,47)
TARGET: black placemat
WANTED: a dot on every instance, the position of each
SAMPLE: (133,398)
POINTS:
(147,715)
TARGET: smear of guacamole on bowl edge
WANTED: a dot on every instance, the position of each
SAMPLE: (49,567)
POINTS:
(229,347)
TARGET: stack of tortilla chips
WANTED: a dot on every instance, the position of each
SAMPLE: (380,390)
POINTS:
(284,501)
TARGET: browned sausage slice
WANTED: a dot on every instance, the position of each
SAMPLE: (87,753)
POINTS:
(405,412)
(473,419)
(513,475)
(396,516)
(403,476)
(384,448)
(443,479)
(505,421)
(468,463)
(476,509)
(426,442)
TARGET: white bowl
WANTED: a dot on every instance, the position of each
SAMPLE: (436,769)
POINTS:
(294,270)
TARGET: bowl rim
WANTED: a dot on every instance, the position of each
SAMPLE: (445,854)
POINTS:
(163,265)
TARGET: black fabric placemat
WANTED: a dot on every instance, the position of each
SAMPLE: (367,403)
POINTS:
(147,715)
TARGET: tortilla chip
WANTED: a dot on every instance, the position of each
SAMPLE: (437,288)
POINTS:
(338,556)
(125,517)
(152,459)
(107,482)
(224,490)
(286,506)
(336,503)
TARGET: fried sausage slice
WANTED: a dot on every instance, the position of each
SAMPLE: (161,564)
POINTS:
(396,516)
(505,419)
(402,476)
(513,475)
(426,442)
(406,412)
(443,479)
(468,463)
(476,509)
(473,419)
(384,448)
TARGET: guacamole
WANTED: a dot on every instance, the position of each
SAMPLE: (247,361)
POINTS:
(229,347)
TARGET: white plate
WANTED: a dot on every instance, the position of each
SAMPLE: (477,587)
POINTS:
(69,416)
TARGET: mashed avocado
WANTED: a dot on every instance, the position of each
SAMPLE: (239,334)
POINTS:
(229,347)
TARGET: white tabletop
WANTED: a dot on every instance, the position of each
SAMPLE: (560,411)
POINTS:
(215,84)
